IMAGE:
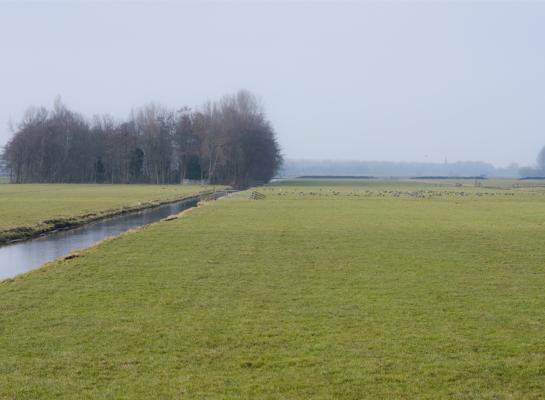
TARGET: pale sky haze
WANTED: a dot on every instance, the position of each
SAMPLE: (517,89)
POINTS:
(396,81)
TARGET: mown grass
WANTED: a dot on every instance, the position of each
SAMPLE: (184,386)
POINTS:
(27,210)
(296,296)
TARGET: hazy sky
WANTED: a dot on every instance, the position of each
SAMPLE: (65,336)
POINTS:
(413,81)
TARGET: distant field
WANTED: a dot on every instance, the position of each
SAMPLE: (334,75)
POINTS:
(27,209)
(329,290)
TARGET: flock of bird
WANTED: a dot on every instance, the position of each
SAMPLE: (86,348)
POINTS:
(418,194)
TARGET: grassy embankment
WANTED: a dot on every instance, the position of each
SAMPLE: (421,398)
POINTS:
(352,290)
(29,210)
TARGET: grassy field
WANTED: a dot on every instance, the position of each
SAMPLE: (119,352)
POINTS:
(323,290)
(27,210)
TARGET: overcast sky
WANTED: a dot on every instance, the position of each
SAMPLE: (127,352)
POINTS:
(412,81)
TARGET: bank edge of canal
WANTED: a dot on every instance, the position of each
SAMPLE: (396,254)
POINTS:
(21,233)
(25,256)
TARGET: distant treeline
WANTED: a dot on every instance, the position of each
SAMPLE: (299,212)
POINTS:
(450,177)
(229,141)
(335,177)
(293,168)
(374,177)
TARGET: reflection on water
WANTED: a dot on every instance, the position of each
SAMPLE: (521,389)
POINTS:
(23,256)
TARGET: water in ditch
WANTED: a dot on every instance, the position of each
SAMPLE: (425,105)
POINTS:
(26,255)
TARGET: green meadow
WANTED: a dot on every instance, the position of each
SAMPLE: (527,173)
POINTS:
(322,290)
(30,209)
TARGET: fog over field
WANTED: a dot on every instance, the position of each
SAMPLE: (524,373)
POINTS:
(389,81)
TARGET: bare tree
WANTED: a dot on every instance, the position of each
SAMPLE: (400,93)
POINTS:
(541,161)
(229,141)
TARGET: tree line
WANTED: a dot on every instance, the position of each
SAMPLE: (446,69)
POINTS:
(536,171)
(229,141)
